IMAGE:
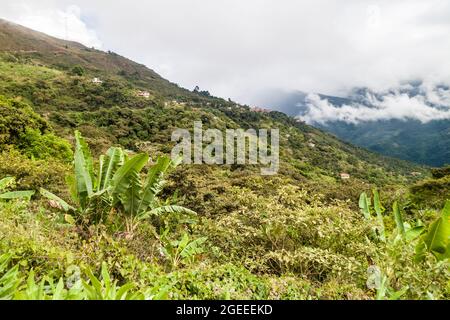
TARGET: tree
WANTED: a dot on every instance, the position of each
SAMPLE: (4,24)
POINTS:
(78,71)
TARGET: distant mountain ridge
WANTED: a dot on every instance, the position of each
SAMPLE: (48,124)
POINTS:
(412,138)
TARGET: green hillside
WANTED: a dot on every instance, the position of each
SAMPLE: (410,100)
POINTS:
(425,143)
(301,234)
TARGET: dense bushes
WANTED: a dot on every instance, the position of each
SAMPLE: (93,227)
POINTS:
(52,249)
(432,192)
(277,248)
(292,232)
(32,173)
(22,128)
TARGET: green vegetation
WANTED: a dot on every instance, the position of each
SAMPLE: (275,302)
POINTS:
(7,182)
(116,184)
(434,191)
(117,219)
(23,129)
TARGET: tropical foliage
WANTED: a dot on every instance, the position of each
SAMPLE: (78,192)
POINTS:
(116,185)
(117,219)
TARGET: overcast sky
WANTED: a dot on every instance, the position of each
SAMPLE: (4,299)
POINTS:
(236,48)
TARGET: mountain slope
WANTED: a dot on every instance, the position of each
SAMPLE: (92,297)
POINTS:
(425,143)
(405,136)
(29,44)
(112,113)
(299,234)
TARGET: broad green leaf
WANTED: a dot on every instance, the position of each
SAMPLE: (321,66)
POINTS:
(10,280)
(132,196)
(399,220)
(420,251)
(95,286)
(437,237)
(122,178)
(377,203)
(396,295)
(83,170)
(72,185)
(193,248)
(64,205)
(167,209)
(105,274)
(364,205)
(152,184)
(123,291)
(17,195)
(413,233)
(59,290)
(183,242)
(101,163)
(113,160)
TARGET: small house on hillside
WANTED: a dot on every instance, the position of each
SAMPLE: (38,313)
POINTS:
(344,176)
(258,109)
(97,81)
(143,94)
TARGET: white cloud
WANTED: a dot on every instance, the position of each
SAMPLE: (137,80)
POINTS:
(432,103)
(232,47)
(61,23)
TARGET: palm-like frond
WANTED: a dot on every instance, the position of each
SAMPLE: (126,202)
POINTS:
(154,183)
(127,175)
(83,169)
(64,205)
(167,209)
(17,195)
(109,164)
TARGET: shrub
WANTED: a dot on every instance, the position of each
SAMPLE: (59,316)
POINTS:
(78,71)
(22,128)
(33,174)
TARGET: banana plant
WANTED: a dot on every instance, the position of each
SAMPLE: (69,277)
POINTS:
(181,251)
(140,200)
(7,182)
(13,285)
(10,278)
(366,210)
(87,187)
(404,229)
(117,183)
(436,240)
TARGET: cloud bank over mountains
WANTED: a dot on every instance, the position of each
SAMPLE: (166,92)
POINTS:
(238,48)
(425,102)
